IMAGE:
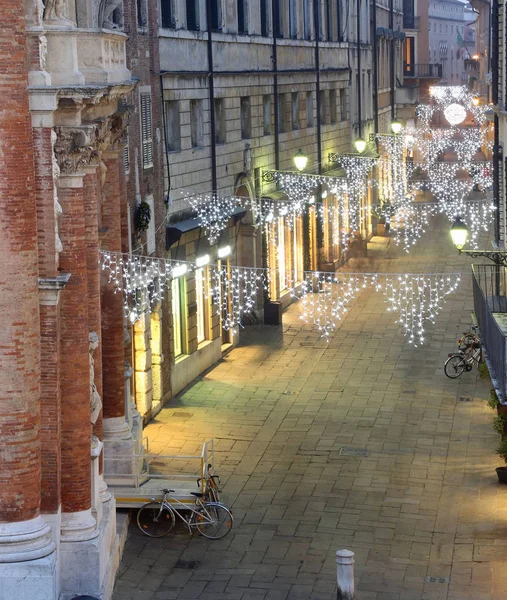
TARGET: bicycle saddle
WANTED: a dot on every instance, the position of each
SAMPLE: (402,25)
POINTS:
(197,494)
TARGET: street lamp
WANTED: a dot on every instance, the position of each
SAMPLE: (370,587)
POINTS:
(475,101)
(396,127)
(300,160)
(459,234)
(360,145)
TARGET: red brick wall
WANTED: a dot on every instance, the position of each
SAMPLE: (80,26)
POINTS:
(75,374)
(19,314)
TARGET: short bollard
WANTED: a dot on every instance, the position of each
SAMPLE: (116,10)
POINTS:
(345,575)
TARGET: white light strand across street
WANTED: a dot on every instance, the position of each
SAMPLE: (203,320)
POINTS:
(324,297)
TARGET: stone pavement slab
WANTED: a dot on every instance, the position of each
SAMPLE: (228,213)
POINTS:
(359,443)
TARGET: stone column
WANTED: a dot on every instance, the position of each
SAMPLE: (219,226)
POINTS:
(91,208)
(26,550)
(119,443)
(113,362)
(77,521)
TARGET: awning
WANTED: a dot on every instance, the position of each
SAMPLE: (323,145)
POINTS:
(174,231)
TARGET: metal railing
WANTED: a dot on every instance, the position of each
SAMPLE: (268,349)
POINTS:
(432,70)
(489,286)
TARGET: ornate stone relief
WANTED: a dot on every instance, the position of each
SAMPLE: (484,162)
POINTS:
(75,149)
(111,14)
(57,205)
(56,12)
(95,399)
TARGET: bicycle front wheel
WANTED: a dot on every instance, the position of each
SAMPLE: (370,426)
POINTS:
(454,366)
(155,520)
(213,520)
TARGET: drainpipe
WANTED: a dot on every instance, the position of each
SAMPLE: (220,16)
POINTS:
(211,91)
(375,66)
(316,18)
(359,114)
(274,15)
(392,61)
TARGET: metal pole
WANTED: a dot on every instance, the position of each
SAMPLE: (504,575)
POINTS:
(211,94)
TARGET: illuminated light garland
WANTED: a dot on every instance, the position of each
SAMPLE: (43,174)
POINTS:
(455,114)
(323,297)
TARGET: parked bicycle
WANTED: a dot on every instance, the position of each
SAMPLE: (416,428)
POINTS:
(468,338)
(211,490)
(463,360)
(211,519)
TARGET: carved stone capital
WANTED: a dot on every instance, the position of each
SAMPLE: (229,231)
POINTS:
(75,148)
(110,132)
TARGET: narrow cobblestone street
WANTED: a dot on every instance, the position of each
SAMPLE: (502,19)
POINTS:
(422,510)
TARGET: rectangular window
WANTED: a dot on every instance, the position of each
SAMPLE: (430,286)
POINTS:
(173,130)
(178,315)
(242,16)
(329,27)
(146,129)
(295,110)
(167,7)
(306,19)
(339,20)
(281,113)
(216,15)
(293,19)
(343,105)
(309,109)
(332,106)
(322,107)
(278,19)
(220,125)
(192,10)
(266,114)
(142,17)
(264,18)
(246,118)
(200,291)
(196,124)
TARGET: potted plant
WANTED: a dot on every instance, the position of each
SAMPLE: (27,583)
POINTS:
(500,424)
(502,451)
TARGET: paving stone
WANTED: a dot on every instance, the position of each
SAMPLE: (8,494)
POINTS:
(422,502)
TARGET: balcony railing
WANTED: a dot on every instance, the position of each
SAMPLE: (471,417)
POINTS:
(490,306)
(432,70)
(410,22)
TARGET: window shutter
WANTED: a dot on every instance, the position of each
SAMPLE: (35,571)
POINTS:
(146,132)
(126,152)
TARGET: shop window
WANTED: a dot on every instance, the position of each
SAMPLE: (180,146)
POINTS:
(178,297)
(202,313)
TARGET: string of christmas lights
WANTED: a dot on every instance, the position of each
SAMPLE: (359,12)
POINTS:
(323,297)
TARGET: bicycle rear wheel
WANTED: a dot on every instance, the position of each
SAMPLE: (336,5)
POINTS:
(213,520)
(454,366)
(155,520)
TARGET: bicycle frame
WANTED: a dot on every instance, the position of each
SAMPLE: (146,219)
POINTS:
(187,520)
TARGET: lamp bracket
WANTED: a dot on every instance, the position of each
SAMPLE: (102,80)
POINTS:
(499,258)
